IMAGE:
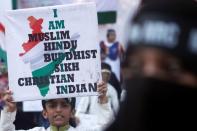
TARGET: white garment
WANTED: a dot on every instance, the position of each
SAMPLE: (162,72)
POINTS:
(87,105)
(115,64)
(113,98)
(123,95)
(102,119)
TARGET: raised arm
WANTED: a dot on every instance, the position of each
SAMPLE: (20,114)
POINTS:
(8,113)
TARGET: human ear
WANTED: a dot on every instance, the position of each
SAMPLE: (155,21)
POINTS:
(72,113)
(44,114)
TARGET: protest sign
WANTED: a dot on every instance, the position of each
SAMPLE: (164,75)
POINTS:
(53,52)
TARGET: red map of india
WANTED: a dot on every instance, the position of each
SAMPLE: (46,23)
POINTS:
(36,26)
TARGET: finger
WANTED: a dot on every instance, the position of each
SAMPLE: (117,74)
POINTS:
(102,92)
(10,103)
(7,92)
(101,83)
(8,97)
(104,85)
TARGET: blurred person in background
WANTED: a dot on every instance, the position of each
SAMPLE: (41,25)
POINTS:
(87,105)
(111,93)
(113,78)
(160,68)
(112,52)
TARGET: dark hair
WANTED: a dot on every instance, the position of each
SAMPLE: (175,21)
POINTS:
(71,101)
(109,31)
(105,66)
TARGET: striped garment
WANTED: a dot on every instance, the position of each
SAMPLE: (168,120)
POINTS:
(2,43)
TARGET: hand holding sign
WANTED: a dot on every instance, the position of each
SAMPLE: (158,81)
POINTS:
(102,89)
(55,53)
(8,100)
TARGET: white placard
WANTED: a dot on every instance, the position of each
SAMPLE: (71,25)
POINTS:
(53,52)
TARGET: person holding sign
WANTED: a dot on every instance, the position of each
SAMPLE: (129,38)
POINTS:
(87,104)
(58,112)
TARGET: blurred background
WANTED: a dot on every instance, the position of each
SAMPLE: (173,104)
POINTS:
(122,7)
